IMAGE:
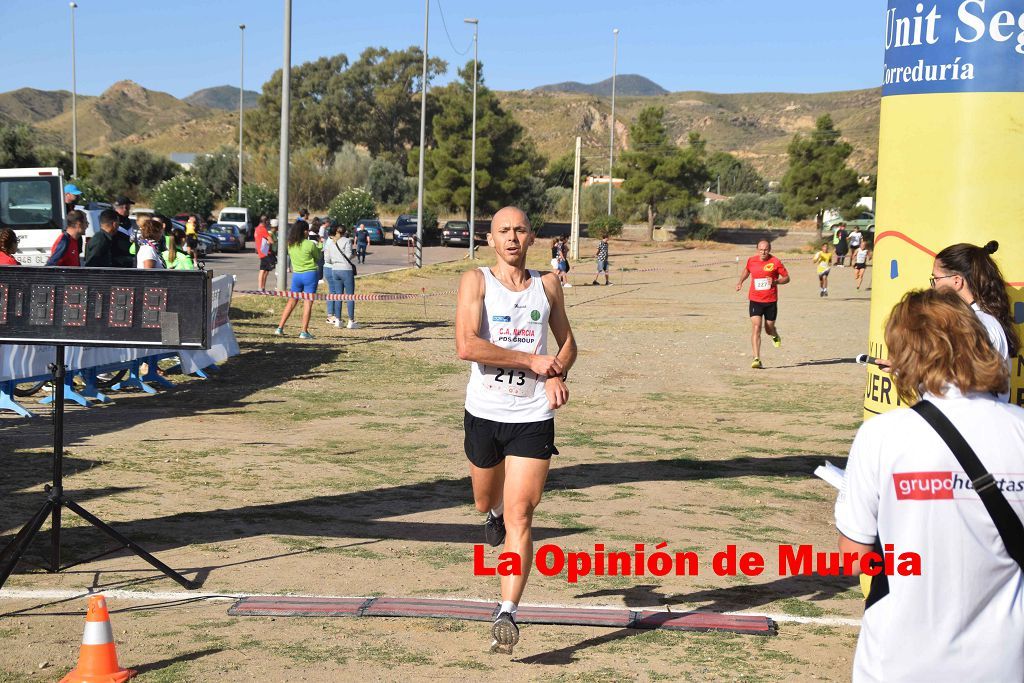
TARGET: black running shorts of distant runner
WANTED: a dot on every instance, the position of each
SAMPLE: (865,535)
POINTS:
(488,442)
(768,311)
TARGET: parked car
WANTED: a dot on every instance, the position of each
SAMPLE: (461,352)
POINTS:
(228,236)
(405,227)
(208,244)
(864,220)
(374,228)
(239,217)
(455,232)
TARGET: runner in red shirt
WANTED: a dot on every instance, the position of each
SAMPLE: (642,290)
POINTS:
(766,273)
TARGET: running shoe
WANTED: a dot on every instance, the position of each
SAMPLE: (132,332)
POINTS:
(777,340)
(331,320)
(505,633)
(494,530)
(305,335)
(756,364)
(567,284)
(278,331)
(353,325)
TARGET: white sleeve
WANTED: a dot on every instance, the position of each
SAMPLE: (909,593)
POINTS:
(856,508)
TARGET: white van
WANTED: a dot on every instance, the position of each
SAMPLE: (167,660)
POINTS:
(239,217)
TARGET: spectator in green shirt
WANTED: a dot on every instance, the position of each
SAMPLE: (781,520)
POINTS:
(304,254)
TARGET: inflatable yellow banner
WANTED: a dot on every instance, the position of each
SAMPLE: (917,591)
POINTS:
(950,157)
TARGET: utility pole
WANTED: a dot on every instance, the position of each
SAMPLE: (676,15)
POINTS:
(611,135)
(574,230)
(472,167)
(282,183)
(241,111)
(74,96)
(423,138)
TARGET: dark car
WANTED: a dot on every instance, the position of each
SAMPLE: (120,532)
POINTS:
(405,228)
(374,228)
(455,232)
(229,237)
(205,244)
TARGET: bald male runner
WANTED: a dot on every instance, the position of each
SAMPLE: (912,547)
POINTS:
(515,385)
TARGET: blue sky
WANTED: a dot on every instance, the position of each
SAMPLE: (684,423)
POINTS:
(179,46)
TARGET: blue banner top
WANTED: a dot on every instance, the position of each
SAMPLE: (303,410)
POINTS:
(953,46)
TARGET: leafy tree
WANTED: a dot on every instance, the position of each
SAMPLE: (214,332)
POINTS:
(184,193)
(17,147)
(131,171)
(387,182)
(735,175)
(560,172)
(659,177)
(818,177)
(507,163)
(381,93)
(351,205)
(604,226)
(219,172)
(368,103)
(260,200)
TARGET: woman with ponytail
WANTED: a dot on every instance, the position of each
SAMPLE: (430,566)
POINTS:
(971,272)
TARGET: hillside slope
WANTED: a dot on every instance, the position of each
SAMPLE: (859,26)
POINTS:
(222,97)
(754,126)
(123,110)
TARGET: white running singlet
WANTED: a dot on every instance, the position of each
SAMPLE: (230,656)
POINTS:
(517,321)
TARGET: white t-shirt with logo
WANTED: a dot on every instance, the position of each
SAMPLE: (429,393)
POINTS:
(963,618)
(517,321)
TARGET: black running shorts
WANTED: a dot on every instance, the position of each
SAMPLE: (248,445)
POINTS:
(488,442)
(268,262)
(768,311)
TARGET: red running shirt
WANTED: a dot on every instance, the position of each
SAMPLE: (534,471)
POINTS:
(763,277)
(8,260)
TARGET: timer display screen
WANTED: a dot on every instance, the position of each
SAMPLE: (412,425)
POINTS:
(104,307)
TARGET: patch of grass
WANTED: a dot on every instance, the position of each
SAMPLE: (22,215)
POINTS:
(468,664)
(442,556)
(800,608)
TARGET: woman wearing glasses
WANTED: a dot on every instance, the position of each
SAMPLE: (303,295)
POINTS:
(971,272)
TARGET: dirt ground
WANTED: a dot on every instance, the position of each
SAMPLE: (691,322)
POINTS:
(335,467)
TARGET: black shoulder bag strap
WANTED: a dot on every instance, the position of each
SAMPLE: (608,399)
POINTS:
(355,271)
(1008,524)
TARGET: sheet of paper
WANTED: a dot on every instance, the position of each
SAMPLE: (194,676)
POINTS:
(832,474)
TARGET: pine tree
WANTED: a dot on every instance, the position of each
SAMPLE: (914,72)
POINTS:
(818,177)
(507,163)
(659,177)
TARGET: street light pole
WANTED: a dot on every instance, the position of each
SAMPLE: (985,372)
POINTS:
(611,135)
(423,138)
(282,185)
(472,169)
(74,95)
(241,111)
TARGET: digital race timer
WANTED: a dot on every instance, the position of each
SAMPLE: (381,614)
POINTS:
(105,307)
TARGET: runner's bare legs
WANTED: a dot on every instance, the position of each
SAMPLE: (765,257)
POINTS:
(755,334)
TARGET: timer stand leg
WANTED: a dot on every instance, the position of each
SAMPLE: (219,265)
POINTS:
(55,500)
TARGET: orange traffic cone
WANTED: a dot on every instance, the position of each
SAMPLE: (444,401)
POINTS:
(97,659)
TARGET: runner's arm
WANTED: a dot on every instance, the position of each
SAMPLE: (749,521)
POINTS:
(743,278)
(469,345)
(58,251)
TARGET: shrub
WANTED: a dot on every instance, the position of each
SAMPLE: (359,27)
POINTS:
(387,182)
(351,205)
(750,206)
(604,226)
(260,200)
(183,193)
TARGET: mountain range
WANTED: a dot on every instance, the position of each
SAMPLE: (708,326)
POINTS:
(626,85)
(753,126)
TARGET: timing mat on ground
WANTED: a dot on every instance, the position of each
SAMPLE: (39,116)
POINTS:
(472,610)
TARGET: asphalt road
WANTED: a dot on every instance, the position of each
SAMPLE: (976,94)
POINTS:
(245,266)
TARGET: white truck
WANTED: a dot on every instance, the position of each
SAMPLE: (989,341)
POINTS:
(239,217)
(32,204)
